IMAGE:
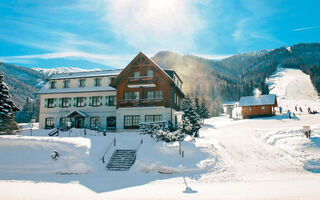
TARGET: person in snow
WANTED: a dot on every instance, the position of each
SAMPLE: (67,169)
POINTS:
(300,109)
(294,116)
(280,109)
(289,114)
(309,110)
(296,108)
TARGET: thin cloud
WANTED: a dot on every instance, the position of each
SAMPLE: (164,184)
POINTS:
(113,60)
(215,56)
(305,28)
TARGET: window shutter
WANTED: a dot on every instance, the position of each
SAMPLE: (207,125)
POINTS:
(90,101)
(74,101)
(55,102)
(101,100)
(107,100)
(60,102)
(85,101)
(46,103)
(70,99)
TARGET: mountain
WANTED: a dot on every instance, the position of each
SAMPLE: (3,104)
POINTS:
(216,80)
(59,70)
(239,75)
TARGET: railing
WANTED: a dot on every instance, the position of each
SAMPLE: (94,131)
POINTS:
(142,102)
(141,80)
(114,144)
(55,131)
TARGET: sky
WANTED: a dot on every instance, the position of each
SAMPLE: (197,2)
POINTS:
(108,34)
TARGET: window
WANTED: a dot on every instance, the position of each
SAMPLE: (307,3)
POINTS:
(95,101)
(127,95)
(136,74)
(158,94)
(150,94)
(66,84)
(150,73)
(80,101)
(82,83)
(65,103)
(111,123)
(135,95)
(262,107)
(49,122)
(131,121)
(97,82)
(64,122)
(53,84)
(111,100)
(51,103)
(153,118)
(250,108)
(94,122)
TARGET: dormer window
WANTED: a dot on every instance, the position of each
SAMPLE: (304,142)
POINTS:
(66,84)
(97,82)
(82,83)
(150,73)
(53,84)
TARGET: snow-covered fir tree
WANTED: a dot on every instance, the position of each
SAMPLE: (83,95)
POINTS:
(203,110)
(7,107)
(191,122)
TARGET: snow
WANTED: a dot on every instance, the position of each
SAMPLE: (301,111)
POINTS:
(59,70)
(257,100)
(261,158)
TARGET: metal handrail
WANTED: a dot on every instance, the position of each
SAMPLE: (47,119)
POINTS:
(113,141)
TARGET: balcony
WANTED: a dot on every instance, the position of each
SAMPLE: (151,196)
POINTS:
(141,102)
(141,81)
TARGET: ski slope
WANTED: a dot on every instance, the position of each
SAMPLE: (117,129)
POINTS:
(261,158)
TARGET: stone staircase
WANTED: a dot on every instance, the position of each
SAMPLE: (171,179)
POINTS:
(121,160)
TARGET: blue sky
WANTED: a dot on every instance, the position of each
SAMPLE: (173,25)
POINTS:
(107,34)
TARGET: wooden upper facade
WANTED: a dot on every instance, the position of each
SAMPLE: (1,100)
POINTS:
(144,84)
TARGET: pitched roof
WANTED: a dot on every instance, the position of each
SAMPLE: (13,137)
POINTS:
(269,99)
(86,74)
(116,81)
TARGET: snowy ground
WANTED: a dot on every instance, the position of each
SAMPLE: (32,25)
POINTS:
(263,158)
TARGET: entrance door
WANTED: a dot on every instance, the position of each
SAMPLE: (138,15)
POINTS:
(111,123)
(79,122)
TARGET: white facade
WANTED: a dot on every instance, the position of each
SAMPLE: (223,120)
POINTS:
(73,101)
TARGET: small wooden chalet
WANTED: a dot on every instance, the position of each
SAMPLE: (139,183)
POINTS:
(258,106)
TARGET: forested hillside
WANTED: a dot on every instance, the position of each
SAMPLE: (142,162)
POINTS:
(217,81)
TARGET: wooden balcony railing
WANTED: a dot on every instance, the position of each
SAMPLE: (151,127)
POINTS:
(141,102)
(141,80)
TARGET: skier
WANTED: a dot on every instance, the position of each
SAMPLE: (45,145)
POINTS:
(289,114)
(294,116)
(296,108)
(280,109)
(309,110)
(300,109)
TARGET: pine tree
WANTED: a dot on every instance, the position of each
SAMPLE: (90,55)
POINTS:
(191,120)
(197,105)
(204,110)
(7,107)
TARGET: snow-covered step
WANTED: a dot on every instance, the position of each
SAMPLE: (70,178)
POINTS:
(122,160)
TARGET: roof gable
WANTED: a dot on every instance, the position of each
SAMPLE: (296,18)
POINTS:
(269,99)
(140,59)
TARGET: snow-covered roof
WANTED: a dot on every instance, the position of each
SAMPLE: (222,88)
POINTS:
(86,74)
(257,101)
(46,90)
(77,112)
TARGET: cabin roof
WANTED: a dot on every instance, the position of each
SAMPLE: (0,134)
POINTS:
(269,99)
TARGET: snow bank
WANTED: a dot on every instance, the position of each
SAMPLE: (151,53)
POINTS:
(24,154)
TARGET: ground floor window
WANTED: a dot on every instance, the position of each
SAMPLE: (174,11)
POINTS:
(49,122)
(94,122)
(65,122)
(262,107)
(111,123)
(131,121)
(153,118)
